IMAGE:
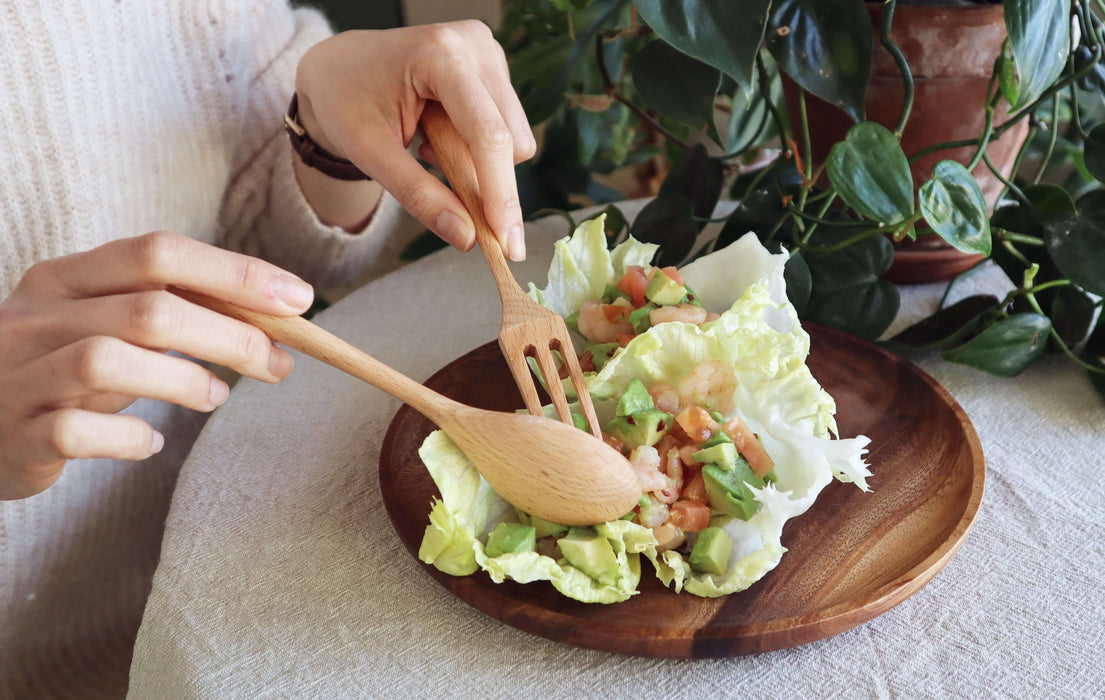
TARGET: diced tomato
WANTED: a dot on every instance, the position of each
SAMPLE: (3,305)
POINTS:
(614,312)
(634,283)
(587,362)
(612,441)
(749,446)
(673,274)
(690,516)
(624,338)
(695,490)
(696,423)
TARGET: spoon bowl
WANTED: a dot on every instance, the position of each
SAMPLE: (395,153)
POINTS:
(546,468)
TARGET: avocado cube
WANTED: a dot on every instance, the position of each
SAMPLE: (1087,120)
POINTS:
(611,292)
(640,318)
(663,290)
(601,353)
(590,553)
(718,437)
(636,398)
(711,551)
(690,297)
(511,537)
(723,454)
(546,528)
(728,489)
(640,428)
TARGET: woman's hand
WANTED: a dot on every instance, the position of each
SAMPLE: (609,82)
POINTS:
(361,95)
(83,336)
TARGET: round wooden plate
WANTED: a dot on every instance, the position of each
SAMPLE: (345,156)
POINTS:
(851,557)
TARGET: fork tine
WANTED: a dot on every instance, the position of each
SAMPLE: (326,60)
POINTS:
(552,383)
(524,379)
(585,403)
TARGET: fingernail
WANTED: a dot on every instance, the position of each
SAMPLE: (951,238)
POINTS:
(452,229)
(218,392)
(294,292)
(157,443)
(280,362)
(516,242)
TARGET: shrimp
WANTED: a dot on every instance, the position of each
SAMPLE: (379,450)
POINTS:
(668,536)
(711,384)
(646,463)
(603,323)
(665,397)
(673,467)
(687,313)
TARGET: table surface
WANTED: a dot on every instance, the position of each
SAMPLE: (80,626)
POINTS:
(281,576)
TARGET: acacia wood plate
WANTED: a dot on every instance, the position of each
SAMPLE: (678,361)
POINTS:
(851,557)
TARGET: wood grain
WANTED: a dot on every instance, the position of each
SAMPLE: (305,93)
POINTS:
(851,557)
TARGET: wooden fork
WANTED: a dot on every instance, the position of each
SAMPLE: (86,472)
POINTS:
(528,329)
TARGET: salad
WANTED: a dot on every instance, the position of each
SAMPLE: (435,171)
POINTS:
(698,376)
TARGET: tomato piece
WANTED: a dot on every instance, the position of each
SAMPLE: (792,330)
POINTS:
(695,490)
(614,313)
(696,423)
(634,283)
(690,516)
(624,338)
(672,274)
(749,446)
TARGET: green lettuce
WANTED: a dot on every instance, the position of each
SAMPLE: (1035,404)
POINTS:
(757,334)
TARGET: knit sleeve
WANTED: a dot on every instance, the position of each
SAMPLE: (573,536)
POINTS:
(264,213)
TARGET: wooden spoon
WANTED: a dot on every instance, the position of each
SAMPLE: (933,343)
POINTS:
(544,467)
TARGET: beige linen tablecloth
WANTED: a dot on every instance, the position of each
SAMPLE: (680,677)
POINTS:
(281,575)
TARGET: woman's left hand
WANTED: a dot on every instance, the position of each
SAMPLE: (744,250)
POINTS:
(361,95)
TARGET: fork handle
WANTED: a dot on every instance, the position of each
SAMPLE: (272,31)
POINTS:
(456,162)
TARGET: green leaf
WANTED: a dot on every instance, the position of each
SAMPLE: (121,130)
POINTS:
(797,275)
(847,292)
(954,207)
(697,177)
(615,223)
(826,47)
(745,118)
(871,173)
(948,325)
(1076,244)
(1094,354)
(1094,154)
(1039,33)
(674,84)
(722,33)
(1007,347)
(1071,313)
(1048,201)
(668,221)
(1007,78)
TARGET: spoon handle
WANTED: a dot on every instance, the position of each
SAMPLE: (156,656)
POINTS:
(302,335)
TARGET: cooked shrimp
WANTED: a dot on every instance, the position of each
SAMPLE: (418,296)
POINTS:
(687,313)
(696,423)
(646,463)
(603,323)
(673,467)
(711,384)
(668,536)
(665,397)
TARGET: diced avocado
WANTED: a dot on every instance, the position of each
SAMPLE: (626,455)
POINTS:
(690,297)
(640,428)
(611,292)
(723,454)
(580,421)
(591,554)
(717,438)
(640,318)
(511,537)
(572,321)
(728,489)
(601,353)
(711,551)
(663,290)
(771,477)
(716,415)
(636,398)
(546,528)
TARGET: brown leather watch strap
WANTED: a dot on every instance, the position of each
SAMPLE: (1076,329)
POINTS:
(313,155)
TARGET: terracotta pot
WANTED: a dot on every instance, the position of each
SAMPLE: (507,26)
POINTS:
(951,52)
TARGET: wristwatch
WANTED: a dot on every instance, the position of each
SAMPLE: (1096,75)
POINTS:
(314,155)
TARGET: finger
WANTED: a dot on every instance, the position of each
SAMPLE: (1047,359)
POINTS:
(160,259)
(160,320)
(93,367)
(419,192)
(476,117)
(72,433)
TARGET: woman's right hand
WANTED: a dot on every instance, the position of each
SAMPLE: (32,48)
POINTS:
(85,335)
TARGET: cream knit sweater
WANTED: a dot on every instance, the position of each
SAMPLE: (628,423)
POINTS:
(121,117)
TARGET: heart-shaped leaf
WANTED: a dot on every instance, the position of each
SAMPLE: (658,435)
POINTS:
(1076,244)
(871,173)
(698,177)
(1007,347)
(722,33)
(1071,314)
(668,221)
(847,291)
(826,47)
(1094,154)
(797,275)
(1039,32)
(1094,354)
(674,84)
(1048,201)
(954,207)
(948,325)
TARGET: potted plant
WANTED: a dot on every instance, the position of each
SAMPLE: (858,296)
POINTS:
(636,86)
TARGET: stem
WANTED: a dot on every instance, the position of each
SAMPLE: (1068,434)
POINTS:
(733,153)
(765,90)
(757,178)
(610,89)
(1014,237)
(821,213)
(851,240)
(984,139)
(948,290)
(1051,143)
(819,220)
(807,148)
(1016,253)
(903,66)
(1031,297)
(1009,186)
